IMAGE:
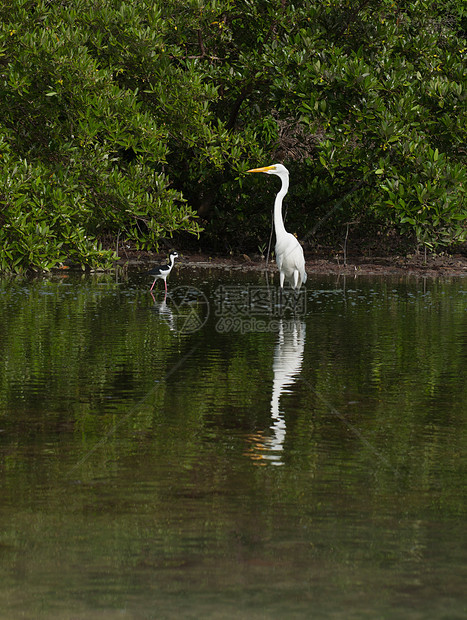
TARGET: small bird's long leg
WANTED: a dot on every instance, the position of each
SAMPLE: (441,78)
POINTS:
(153,284)
(165,284)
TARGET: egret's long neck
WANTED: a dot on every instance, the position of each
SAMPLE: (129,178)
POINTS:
(278,221)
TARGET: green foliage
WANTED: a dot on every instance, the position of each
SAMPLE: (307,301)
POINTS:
(379,89)
(80,158)
(127,117)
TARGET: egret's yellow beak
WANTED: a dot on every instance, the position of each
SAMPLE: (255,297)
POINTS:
(265,169)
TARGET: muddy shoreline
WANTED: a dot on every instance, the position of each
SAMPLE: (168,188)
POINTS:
(433,265)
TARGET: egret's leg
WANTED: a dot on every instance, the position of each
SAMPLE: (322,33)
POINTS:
(281,281)
(295,279)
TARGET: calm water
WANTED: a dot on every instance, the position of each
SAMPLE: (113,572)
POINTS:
(212,457)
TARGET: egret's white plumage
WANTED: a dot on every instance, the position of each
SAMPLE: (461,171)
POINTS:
(289,252)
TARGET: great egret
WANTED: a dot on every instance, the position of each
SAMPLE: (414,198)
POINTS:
(162,271)
(289,252)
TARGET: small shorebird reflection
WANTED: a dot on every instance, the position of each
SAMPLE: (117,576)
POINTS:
(165,312)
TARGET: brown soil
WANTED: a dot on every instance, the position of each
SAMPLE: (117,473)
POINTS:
(432,265)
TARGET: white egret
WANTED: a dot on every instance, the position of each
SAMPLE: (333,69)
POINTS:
(289,252)
(162,271)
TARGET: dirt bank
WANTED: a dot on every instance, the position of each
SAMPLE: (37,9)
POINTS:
(432,265)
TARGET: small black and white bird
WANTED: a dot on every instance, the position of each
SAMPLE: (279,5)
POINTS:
(162,271)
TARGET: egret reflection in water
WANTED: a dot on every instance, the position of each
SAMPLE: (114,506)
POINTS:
(287,365)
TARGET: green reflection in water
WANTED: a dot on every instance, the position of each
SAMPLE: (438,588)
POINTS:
(316,472)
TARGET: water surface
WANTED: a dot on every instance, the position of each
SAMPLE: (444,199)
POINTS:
(213,457)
